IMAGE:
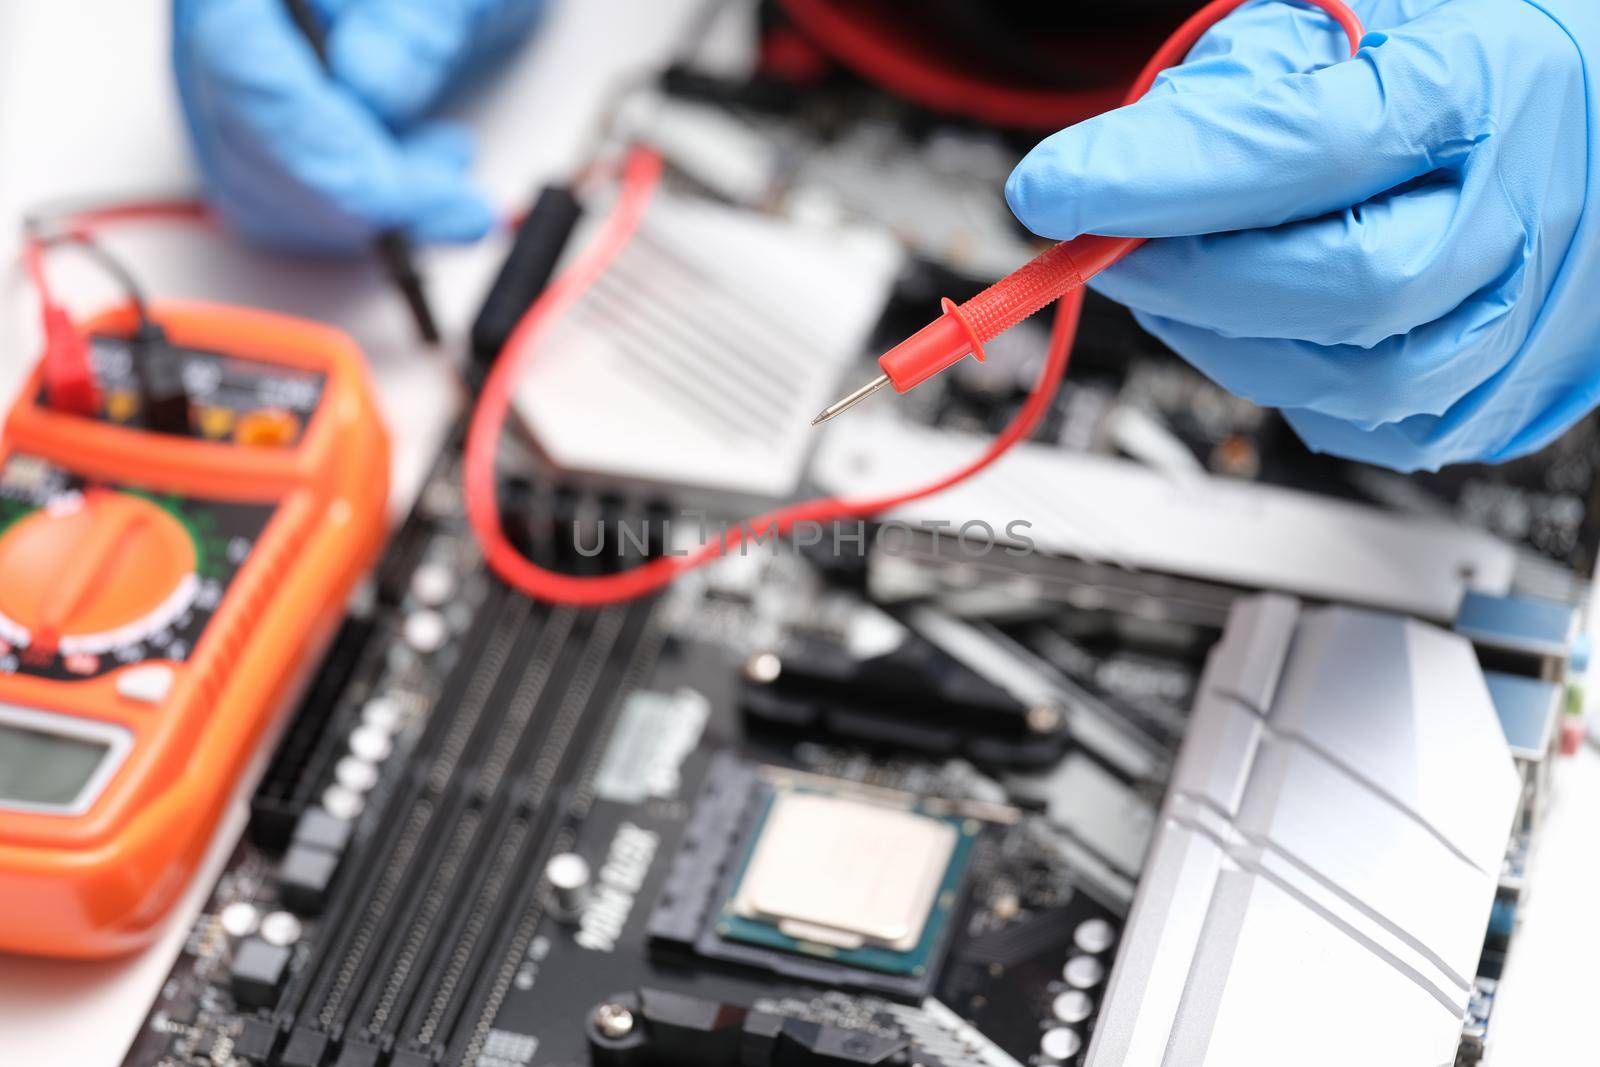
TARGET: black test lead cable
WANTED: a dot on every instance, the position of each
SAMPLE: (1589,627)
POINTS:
(392,247)
(69,373)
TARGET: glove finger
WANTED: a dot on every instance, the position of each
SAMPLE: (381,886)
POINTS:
(291,157)
(1497,421)
(1257,44)
(401,56)
(1423,372)
(1354,277)
(1421,442)
(439,200)
(1269,39)
(329,11)
(398,56)
(444,143)
(1295,147)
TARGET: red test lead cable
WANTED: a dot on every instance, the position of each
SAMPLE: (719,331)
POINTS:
(69,379)
(896,66)
(641,175)
(1062,269)
(1058,273)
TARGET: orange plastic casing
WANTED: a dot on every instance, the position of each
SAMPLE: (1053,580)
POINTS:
(97,884)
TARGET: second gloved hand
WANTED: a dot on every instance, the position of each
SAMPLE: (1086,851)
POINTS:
(1401,251)
(297,157)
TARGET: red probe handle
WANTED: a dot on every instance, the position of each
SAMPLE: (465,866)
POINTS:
(962,329)
(1064,267)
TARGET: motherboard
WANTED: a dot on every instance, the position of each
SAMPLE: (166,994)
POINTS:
(763,819)
(755,821)
(812,807)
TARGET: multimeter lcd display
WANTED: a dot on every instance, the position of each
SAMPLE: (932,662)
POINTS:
(46,769)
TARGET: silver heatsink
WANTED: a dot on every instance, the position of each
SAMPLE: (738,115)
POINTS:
(1319,888)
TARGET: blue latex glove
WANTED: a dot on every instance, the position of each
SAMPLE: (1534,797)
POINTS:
(310,160)
(1401,251)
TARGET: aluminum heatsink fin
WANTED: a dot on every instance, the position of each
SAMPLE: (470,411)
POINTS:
(1328,851)
(696,361)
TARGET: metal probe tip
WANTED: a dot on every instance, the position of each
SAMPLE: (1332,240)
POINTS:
(850,401)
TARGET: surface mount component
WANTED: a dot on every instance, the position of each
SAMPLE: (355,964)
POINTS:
(657,1026)
(1332,835)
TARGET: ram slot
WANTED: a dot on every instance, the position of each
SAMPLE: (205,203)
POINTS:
(445,835)
(372,881)
(513,865)
(469,832)
(567,767)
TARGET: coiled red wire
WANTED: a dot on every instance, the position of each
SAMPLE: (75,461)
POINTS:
(641,175)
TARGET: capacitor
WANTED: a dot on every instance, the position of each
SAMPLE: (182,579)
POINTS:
(1072,1006)
(1060,1044)
(433,584)
(381,713)
(239,919)
(370,744)
(1094,936)
(425,630)
(1083,972)
(355,774)
(568,874)
(281,928)
(341,803)
(763,667)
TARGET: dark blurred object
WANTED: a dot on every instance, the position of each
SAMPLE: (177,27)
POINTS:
(1009,63)
(541,236)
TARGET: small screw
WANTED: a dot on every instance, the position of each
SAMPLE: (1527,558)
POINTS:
(763,667)
(1044,718)
(613,1020)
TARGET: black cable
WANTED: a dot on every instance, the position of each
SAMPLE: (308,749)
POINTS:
(391,247)
(164,400)
(107,262)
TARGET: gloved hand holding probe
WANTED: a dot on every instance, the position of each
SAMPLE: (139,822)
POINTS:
(297,157)
(1401,251)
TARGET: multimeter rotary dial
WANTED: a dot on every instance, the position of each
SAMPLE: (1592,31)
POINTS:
(94,572)
(97,576)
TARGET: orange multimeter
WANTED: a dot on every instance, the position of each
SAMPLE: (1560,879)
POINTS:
(161,595)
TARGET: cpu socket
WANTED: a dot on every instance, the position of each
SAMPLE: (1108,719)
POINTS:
(849,880)
(818,879)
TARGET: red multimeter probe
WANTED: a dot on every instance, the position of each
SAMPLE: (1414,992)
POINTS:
(161,594)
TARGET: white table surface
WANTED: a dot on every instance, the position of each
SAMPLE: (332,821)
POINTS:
(87,109)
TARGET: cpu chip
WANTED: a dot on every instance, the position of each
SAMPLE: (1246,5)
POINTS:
(856,881)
